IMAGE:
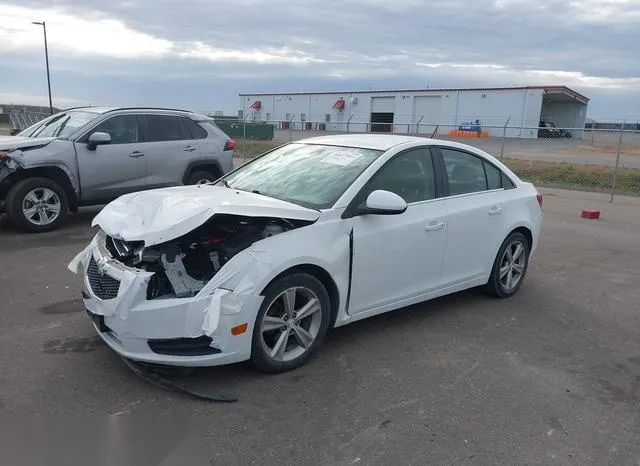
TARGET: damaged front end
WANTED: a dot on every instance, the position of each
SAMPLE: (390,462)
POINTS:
(171,303)
(183,266)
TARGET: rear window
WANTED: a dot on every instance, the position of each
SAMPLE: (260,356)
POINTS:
(191,129)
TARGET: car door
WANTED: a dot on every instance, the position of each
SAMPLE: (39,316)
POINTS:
(476,208)
(169,146)
(113,169)
(397,257)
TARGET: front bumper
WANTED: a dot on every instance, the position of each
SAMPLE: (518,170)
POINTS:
(171,331)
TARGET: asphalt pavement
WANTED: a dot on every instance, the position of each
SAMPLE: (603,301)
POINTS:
(550,376)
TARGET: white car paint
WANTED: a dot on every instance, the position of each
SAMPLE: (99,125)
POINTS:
(434,248)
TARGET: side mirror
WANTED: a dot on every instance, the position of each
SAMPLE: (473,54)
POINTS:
(382,202)
(98,139)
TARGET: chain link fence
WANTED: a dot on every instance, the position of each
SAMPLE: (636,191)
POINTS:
(585,159)
(21,119)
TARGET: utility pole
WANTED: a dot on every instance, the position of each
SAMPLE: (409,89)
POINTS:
(46,57)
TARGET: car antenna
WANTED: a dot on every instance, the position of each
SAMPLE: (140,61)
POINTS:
(152,376)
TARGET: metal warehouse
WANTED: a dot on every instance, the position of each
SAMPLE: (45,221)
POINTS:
(520,109)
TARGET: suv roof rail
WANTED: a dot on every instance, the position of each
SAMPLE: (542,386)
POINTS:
(149,108)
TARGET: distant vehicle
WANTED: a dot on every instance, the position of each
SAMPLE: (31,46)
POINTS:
(92,155)
(548,129)
(315,234)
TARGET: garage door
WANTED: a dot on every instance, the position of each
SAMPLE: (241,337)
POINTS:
(428,105)
(383,104)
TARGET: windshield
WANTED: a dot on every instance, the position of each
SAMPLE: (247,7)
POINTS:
(306,174)
(64,125)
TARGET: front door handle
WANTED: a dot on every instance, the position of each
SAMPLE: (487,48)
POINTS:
(190,149)
(433,226)
(136,154)
(495,211)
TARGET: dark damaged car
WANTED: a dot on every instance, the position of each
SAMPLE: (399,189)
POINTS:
(93,155)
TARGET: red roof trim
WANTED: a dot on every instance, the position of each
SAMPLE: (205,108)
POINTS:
(442,89)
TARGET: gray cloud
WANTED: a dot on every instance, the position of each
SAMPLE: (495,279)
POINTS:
(589,45)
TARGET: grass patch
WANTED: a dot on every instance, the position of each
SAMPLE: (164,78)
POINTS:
(577,176)
(250,149)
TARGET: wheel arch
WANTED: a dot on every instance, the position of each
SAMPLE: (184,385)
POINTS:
(528,234)
(53,173)
(208,165)
(323,276)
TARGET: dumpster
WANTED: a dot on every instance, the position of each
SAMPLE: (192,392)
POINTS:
(248,130)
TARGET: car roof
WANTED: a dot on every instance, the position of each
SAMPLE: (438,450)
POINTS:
(365,141)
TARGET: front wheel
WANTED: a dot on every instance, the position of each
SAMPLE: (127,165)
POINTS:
(37,205)
(291,323)
(510,266)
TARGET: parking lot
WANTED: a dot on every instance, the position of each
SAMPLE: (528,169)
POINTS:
(551,376)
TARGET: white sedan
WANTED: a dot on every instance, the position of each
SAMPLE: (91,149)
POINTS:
(312,235)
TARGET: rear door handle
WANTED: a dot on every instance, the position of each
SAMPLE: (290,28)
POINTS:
(495,211)
(433,226)
(135,154)
(190,149)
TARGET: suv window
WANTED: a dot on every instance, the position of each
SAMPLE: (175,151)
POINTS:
(123,129)
(410,175)
(163,128)
(191,129)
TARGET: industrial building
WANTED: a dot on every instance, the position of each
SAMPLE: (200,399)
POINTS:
(420,110)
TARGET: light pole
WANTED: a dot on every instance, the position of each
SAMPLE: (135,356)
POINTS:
(46,57)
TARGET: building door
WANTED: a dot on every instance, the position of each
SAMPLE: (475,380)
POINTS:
(382,114)
(429,108)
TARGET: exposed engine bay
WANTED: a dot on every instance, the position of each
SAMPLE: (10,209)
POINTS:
(184,265)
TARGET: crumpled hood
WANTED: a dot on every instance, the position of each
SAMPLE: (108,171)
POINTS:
(160,215)
(18,142)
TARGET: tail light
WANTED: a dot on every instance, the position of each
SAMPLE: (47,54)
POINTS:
(230,145)
(539,199)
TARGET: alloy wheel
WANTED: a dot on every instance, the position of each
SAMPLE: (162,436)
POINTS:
(291,324)
(41,206)
(512,265)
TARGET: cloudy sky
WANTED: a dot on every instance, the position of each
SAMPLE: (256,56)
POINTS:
(199,54)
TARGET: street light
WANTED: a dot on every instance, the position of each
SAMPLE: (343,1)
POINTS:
(46,57)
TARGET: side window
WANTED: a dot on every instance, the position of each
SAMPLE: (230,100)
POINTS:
(464,171)
(123,129)
(506,182)
(493,176)
(191,129)
(409,175)
(163,128)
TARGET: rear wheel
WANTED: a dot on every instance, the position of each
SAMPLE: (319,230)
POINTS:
(510,266)
(202,177)
(37,205)
(292,322)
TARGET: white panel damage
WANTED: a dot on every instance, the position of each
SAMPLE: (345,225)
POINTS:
(200,272)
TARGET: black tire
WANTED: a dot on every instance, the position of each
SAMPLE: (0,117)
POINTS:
(259,357)
(494,286)
(16,197)
(199,175)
